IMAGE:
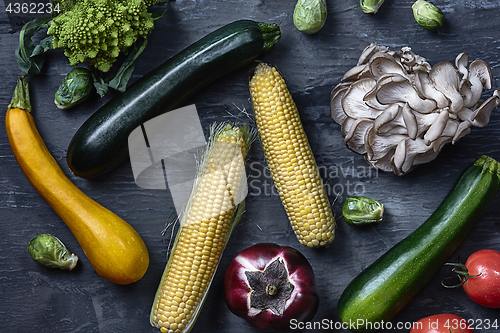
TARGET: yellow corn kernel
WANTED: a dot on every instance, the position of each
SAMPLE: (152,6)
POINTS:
(290,159)
(216,202)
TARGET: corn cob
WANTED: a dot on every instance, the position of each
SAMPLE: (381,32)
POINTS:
(290,159)
(213,210)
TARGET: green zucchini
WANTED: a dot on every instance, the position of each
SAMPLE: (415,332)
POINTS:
(380,291)
(100,144)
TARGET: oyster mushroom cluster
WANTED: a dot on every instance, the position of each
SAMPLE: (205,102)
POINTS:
(398,111)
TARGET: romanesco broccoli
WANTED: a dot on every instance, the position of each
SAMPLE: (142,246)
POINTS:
(97,31)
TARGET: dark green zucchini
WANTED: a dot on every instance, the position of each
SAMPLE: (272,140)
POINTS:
(100,144)
(380,291)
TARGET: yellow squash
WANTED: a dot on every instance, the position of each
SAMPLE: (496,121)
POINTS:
(113,247)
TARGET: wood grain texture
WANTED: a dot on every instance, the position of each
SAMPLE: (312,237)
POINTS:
(35,298)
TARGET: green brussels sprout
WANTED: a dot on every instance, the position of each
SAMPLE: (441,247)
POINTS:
(360,210)
(49,251)
(427,15)
(309,16)
(75,88)
(371,6)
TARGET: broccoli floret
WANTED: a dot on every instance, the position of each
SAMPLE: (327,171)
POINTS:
(97,31)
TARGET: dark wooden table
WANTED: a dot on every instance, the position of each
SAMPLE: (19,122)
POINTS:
(38,299)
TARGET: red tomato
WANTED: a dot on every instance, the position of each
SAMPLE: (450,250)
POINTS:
(441,323)
(485,288)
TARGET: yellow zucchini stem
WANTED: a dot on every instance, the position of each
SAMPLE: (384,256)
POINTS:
(21,96)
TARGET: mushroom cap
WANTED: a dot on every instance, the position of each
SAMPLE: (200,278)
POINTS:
(387,118)
(481,116)
(353,102)
(425,87)
(382,63)
(461,62)
(481,70)
(355,138)
(346,126)
(410,153)
(446,79)
(369,51)
(371,100)
(395,88)
(378,146)
(437,128)
(411,61)
(462,130)
(469,97)
(356,73)
(479,79)
(410,121)
(336,111)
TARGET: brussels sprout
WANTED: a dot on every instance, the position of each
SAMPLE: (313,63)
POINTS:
(360,210)
(309,16)
(49,251)
(427,15)
(75,88)
(371,6)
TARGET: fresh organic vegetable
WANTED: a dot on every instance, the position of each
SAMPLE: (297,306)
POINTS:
(49,251)
(214,209)
(360,210)
(75,88)
(427,15)
(100,144)
(480,277)
(441,323)
(399,112)
(309,16)
(92,31)
(371,6)
(380,291)
(271,286)
(30,57)
(112,246)
(96,32)
(290,159)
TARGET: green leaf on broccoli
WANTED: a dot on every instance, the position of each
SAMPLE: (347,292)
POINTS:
(30,58)
(120,80)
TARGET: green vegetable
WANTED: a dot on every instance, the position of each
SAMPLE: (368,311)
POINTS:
(30,58)
(100,144)
(360,210)
(75,88)
(93,31)
(49,251)
(309,16)
(371,6)
(380,291)
(97,31)
(427,15)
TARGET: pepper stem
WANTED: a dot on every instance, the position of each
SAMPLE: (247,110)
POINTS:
(271,289)
(21,96)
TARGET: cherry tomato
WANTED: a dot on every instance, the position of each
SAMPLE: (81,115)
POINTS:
(482,282)
(442,323)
